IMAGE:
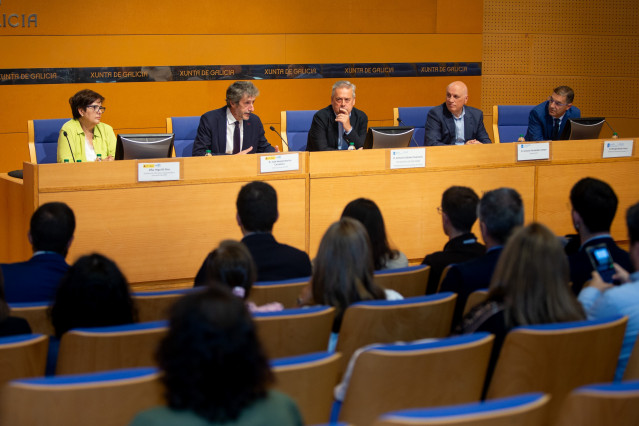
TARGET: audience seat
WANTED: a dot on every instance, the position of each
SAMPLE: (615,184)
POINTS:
(417,374)
(409,282)
(413,117)
(295,331)
(522,410)
(475,298)
(294,127)
(88,350)
(556,358)
(43,139)
(185,130)
(309,380)
(632,368)
(156,305)
(110,398)
(285,292)
(510,121)
(22,356)
(36,314)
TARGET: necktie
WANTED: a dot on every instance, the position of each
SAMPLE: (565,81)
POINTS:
(236,138)
(555,129)
(340,136)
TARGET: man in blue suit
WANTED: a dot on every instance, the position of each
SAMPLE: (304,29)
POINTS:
(547,120)
(50,234)
(233,129)
(454,123)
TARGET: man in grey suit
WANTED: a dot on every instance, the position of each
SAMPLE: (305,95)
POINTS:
(454,123)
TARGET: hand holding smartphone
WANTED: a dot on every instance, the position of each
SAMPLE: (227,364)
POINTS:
(602,261)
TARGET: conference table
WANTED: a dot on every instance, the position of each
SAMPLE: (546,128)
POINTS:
(159,232)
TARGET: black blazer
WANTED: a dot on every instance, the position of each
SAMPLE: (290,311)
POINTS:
(323,133)
(211,134)
(440,126)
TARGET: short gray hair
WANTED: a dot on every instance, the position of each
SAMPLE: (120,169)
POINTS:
(237,90)
(343,83)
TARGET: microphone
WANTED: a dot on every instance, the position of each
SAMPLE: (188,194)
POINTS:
(614,134)
(70,150)
(283,141)
(412,136)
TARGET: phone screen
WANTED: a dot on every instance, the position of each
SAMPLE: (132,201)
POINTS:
(601,261)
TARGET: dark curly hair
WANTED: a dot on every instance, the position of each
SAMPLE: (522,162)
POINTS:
(212,361)
(93,293)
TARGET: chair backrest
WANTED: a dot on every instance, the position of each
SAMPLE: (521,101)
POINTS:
(295,126)
(522,410)
(510,121)
(43,139)
(474,299)
(602,404)
(409,282)
(414,117)
(22,356)
(309,380)
(295,331)
(394,377)
(107,399)
(556,358)
(385,321)
(285,292)
(632,367)
(36,314)
(88,350)
(156,305)
(185,130)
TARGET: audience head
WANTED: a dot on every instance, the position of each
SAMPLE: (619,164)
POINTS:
(93,293)
(343,269)
(231,264)
(369,215)
(343,96)
(51,229)
(257,207)
(459,205)
(240,97)
(532,279)
(456,97)
(212,360)
(500,212)
(82,99)
(594,205)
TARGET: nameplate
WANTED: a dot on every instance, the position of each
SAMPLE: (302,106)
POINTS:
(533,151)
(157,172)
(279,163)
(407,158)
(617,148)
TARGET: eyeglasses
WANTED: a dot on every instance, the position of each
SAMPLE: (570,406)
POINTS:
(97,108)
(439,210)
(559,104)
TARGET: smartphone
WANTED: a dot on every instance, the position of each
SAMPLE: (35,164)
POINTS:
(602,261)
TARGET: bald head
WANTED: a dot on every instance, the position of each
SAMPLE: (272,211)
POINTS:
(456,97)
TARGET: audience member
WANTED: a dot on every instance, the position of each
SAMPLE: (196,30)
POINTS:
(601,300)
(215,370)
(340,123)
(50,234)
(232,129)
(548,119)
(10,326)
(231,265)
(459,213)
(530,286)
(369,215)
(256,214)
(500,212)
(453,122)
(594,205)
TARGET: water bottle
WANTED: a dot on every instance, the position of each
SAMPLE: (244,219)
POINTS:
(351,146)
(521,139)
(99,157)
(208,153)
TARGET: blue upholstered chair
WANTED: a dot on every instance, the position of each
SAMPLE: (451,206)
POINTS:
(510,121)
(36,314)
(285,292)
(409,282)
(522,410)
(43,139)
(155,305)
(602,404)
(185,130)
(295,126)
(309,380)
(414,117)
(417,374)
(22,356)
(107,399)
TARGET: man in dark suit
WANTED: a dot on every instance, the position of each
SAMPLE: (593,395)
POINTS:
(232,129)
(500,212)
(340,123)
(548,119)
(454,123)
(50,234)
(594,205)
(256,214)
(459,213)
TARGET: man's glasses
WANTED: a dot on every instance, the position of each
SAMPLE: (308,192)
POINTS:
(559,104)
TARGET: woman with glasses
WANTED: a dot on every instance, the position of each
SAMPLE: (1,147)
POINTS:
(85,137)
